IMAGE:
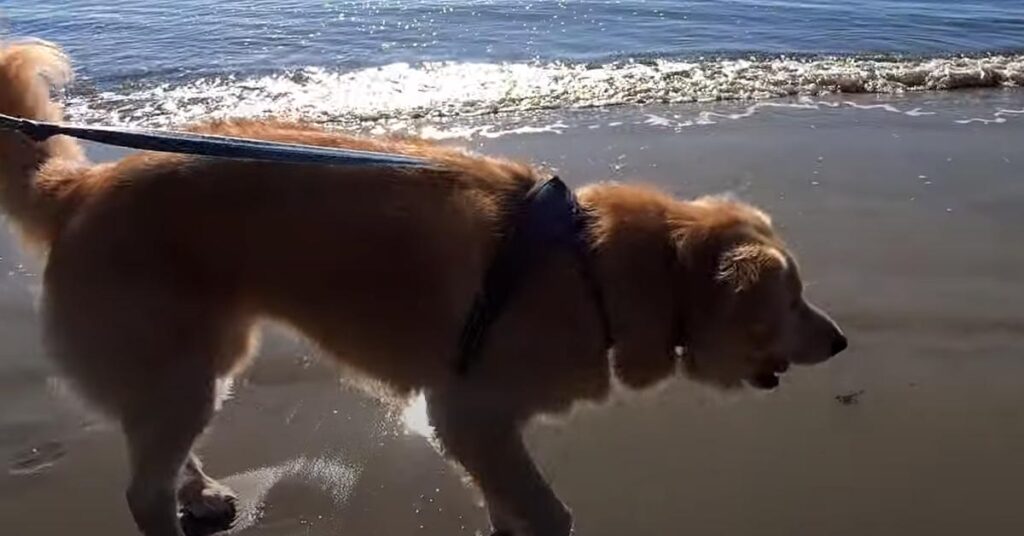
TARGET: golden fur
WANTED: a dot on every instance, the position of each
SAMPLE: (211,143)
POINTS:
(160,265)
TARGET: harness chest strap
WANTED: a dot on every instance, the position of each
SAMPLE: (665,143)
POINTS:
(548,217)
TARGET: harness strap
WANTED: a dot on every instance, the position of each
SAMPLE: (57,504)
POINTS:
(549,216)
(210,145)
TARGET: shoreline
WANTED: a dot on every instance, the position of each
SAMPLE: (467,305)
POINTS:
(446,90)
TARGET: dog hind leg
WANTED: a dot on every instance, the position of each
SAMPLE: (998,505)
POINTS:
(206,505)
(151,358)
(159,443)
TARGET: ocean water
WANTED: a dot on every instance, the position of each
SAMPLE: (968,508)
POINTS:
(163,62)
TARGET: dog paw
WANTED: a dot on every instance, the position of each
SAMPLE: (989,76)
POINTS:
(211,510)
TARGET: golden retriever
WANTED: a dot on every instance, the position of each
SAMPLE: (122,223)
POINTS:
(159,265)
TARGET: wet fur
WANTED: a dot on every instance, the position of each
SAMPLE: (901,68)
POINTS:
(159,267)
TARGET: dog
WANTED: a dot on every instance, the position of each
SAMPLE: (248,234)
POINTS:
(159,266)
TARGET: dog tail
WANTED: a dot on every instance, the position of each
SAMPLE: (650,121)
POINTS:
(39,181)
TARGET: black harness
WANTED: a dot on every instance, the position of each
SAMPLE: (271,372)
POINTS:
(548,218)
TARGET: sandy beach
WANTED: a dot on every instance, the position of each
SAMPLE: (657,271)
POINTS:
(906,214)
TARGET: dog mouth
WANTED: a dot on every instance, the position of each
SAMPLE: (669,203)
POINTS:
(768,377)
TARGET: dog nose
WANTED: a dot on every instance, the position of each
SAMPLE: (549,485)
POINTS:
(839,343)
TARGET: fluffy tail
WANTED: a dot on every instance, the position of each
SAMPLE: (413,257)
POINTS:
(38,181)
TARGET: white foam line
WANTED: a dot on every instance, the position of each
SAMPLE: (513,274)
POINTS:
(557,128)
(997,120)
(486,131)
(916,112)
(998,117)
(827,104)
(658,121)
(431,132)
(804,103)
(886,107)
(706,118)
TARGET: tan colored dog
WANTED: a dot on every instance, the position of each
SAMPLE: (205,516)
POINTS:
(159,266)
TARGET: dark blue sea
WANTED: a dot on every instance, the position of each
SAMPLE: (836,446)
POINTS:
(165,61)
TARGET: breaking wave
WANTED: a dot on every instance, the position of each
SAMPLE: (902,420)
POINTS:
(441,90)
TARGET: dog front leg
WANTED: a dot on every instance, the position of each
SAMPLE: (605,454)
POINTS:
(491,449)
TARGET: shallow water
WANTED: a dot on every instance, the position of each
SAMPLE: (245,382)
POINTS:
(168,62)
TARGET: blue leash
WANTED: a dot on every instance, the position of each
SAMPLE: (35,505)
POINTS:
(208,145)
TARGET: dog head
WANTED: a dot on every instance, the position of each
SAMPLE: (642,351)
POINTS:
(742,315)
(705,282)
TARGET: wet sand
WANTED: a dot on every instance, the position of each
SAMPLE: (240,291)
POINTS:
(908,228)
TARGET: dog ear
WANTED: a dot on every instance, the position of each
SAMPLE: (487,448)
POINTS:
(641,308)
(740,267)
